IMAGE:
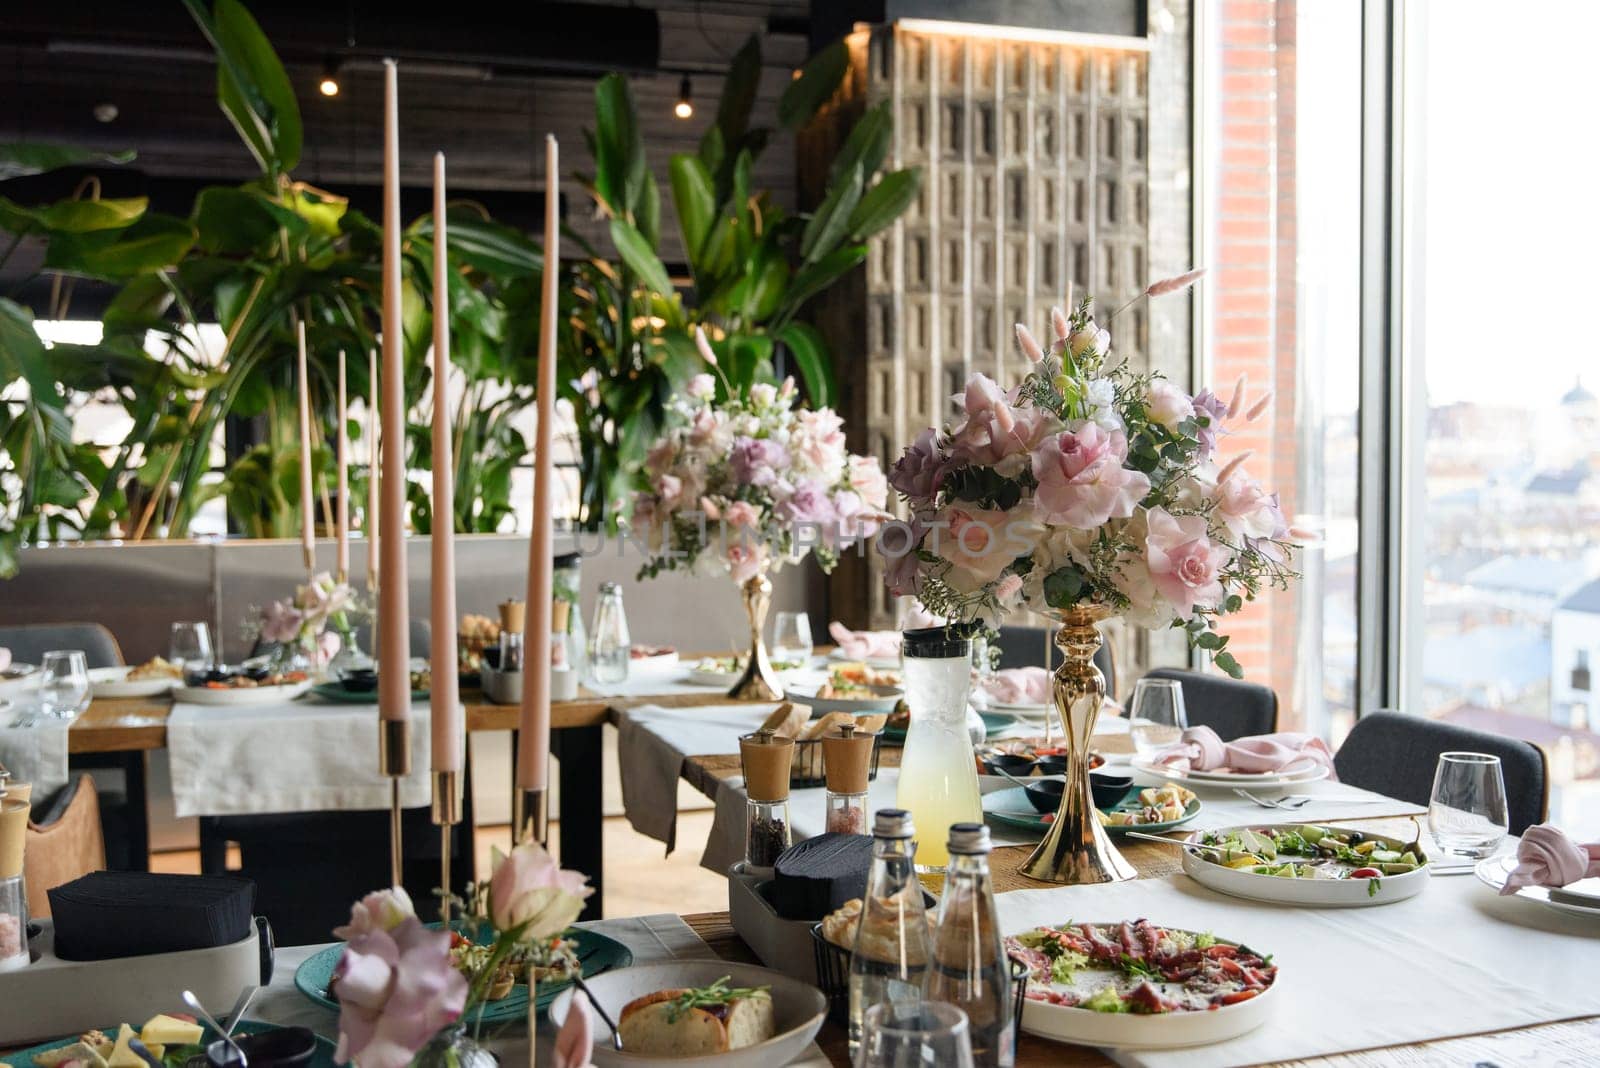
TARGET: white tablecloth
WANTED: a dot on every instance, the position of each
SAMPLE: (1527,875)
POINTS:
(37,753)
(1454,960)
(297,756)
(655,678)
(651,938)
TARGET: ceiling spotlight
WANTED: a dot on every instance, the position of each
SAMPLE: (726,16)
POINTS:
(683,108)
(329,84)
(106,112)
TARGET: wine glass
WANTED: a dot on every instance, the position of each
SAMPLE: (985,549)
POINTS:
(909,1034)
(791,638)
(64,683)
(189,646)
(1156,715)
(1467,811)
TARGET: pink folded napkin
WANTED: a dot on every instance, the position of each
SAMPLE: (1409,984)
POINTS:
(1200,749)
(5,658)
(864,644)
(1019,686)
(574,1042)
(1547,857)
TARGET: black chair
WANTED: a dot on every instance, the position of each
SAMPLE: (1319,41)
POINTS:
(1395,754)
(1025,647)
(29,642)
(1231,707)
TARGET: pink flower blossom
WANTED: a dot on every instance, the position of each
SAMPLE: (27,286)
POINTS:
(1184,562)
(746,560)
(280,622)
(701,387)
(396,990)
(1168,405)
(575,1041)
(741,514)
(1081,480)
(902,570)
(659,459)
(979,543)
(1090,339)
(381,910)
(669,488)
(808,502)
(1008,588)
(528,890)
(867,479)
(918,473)
(855,518)
(756,461)
(819,440)
(1247,510)
(703,427)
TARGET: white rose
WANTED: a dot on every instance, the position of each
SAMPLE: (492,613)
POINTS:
(1167,404)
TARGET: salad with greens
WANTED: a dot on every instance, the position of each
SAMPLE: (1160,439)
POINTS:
(1310,851)
(1137,967)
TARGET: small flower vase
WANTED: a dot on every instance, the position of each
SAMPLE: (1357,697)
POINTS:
(454,1048)
(759,682)
(350,657)
(1077,849)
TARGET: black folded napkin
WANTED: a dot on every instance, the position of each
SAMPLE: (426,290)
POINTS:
(816,876)
(109,914)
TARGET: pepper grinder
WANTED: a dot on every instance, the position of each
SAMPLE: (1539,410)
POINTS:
(513,621)
(847,759)
(766,757)
(13,890)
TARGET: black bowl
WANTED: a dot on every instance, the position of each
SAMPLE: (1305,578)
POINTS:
(1009,764)
(359,680)
(284,1047)
(1051,765)
(1109,790)
(1045,795)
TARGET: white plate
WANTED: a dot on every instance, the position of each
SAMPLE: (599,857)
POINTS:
(1168,1030)
(241,698)
(887,697)
(1009,706)
(1212,780)
(1319,893)
(113,682)
(1493,872)
(882,663)
(797,1011)
(712,678)
(657,659)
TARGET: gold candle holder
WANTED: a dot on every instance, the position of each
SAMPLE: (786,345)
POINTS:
(530,818)
(446,814)
(394,760)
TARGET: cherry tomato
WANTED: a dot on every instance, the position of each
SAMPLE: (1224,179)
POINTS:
(1366,873)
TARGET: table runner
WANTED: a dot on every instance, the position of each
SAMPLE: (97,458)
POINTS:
(651,938)
(1454,960)
(297,756)
(652,678)
(36,753)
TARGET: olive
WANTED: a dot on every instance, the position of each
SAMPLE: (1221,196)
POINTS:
(1325,851)
(1356,838)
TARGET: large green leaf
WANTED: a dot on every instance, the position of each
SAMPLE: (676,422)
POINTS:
(619,164)
(815,277)
(154,242)
(72,216)
(647,211)
(640,257)
(811,359)
(22,354)
(885,202)
(323,211)
(756,295)
(831,223)
(739,92)
(486,245)
(695,202)
(239,220)
(819,80)
(18,159)
(253,89)
(867,146)
(748,356)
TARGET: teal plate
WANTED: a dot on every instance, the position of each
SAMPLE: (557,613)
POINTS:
(1011,808)
(596,954)
(332,691)
(992,721)
(322,1058)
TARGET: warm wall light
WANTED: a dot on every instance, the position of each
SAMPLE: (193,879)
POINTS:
(329,85)
(1022,33)
(683,108)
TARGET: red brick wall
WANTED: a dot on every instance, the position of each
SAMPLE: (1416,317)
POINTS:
(1255,288)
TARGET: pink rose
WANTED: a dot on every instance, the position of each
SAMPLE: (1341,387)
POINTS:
(807,503)
(1247,510)
(980,543)
(381,910)
(1167,404)
(867,479)
(1008,588)
(1090,339)
(575,1041)
(902,570)
(994,430)
(741,514)
(703,427)
(1184,562)
(669,488)
(396,990)
(1081,480)
(746,560)
(820,440)
(528,890)
(855,519)
(701,386)
(281,622)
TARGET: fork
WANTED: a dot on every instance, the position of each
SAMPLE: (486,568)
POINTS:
(1282,803)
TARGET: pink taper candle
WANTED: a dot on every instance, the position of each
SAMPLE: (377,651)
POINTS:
(533,749)
(374,463)
(308,514)
(394,624)
(342,534)
(449,728)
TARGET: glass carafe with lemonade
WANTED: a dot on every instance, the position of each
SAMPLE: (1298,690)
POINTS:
(938,778)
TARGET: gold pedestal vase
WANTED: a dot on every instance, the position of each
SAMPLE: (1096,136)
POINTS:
(1077,849)
(758,682)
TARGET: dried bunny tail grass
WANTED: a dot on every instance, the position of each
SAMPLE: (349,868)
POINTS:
(704,345)
(1258,407)
(1058,319)
(1233,465)
(1304,534)
(1175,283)
(1236,401)
(1030,347)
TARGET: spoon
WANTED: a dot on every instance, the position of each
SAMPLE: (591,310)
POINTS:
(616,1035)
(237,1012)
(1173,842)
(194,1003)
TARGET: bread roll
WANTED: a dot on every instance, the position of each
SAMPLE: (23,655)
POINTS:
(648,1025)
(787,720)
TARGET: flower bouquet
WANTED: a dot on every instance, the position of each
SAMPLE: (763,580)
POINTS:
(316,623)
(1087,491)
(746,482)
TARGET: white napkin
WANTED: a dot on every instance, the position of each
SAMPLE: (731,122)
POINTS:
(36,754)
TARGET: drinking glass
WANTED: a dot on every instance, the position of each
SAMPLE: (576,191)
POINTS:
(909,1034)
(190,643)
(1156,716)
(1467,811)
(791,638)
(64,683)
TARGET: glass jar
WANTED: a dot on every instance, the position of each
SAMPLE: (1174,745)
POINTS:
(511,651)
(846,813)
(938,777)
(568,587)
(608,644)
(766,832)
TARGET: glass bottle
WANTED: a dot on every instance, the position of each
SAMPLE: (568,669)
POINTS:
(938,777)
(568,575)
(608,645)
(969,968)
(891,949)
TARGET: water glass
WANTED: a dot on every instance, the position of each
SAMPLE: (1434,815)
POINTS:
(791,638)
(190,643)
(1156,716)
(609,643)
(909,1034)
(64,683)
(1467,811)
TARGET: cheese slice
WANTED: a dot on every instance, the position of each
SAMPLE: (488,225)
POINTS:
(121,1055)
(78,1051)
(169,1031)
